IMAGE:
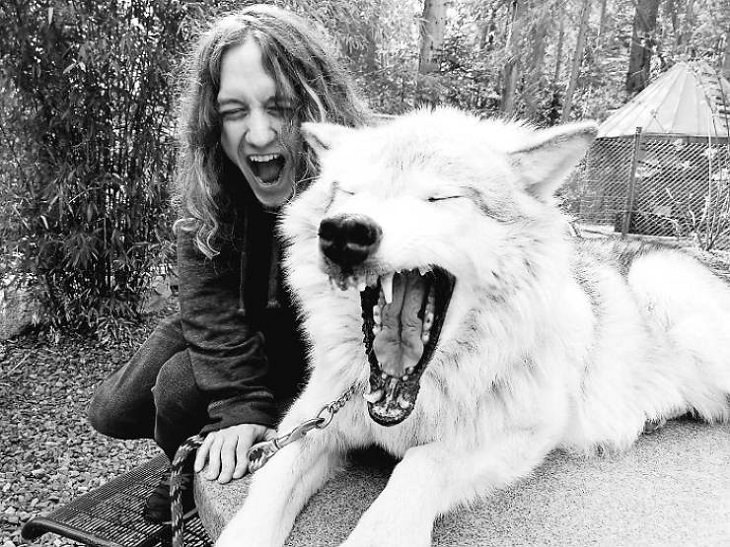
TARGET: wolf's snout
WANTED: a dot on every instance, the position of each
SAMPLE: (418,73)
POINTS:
(347,240)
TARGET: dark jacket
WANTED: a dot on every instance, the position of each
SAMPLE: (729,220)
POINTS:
(244,340)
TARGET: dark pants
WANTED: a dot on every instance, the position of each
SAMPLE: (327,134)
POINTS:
(154,395)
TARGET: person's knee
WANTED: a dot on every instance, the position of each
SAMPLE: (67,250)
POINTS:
(175,384)
(101,412)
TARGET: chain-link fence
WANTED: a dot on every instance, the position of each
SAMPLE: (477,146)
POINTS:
(655,185)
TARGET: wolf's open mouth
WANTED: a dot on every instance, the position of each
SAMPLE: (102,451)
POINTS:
(402,318)
(266,167)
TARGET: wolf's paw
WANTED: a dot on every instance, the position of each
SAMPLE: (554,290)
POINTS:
(239,533)
(390,531)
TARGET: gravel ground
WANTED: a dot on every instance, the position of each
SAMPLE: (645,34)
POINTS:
(48,452)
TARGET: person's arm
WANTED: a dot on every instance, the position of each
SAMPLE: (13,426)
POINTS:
(227,357)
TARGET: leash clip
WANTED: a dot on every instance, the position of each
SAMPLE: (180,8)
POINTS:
(260,453)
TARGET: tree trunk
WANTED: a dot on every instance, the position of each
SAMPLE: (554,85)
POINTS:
(513,67)
(577,60)
(726,58)
(601,25)
(642,43)
(559,49)
(432,30)
(533,91)
(685,37)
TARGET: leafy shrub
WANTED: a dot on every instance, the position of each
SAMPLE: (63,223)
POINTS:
(87,149)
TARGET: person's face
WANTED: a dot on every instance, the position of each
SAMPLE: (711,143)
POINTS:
(254,122)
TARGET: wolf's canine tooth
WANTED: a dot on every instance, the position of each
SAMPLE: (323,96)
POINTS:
(386,284)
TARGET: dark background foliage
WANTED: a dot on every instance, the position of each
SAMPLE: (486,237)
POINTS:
(87,107)
(87,137)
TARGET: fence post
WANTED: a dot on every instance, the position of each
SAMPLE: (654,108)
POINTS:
(632,183)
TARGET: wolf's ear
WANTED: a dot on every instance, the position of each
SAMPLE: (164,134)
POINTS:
(550,155)
(322,136)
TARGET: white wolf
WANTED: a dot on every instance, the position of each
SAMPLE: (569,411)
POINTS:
(435,275)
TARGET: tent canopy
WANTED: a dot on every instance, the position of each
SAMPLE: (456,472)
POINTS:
(690,99)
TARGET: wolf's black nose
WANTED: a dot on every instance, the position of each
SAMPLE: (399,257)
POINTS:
(347,240)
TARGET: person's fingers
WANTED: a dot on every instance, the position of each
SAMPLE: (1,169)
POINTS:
(242,447)
(201,455)
(214,458)
(269,434)
(228,457)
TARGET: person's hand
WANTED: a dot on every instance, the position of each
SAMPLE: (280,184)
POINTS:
(225,450)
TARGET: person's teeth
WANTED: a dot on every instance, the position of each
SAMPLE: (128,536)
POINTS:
(263,158)
(386,284)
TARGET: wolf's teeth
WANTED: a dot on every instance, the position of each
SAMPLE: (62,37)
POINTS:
(428,321)
(423,270)
(377,315)
(371,279)
(404,378)
(409,370)
(376,329)
(333,283)
(373,396)
(431,301)
(361,284)
(425,337)
(403,403)
(386,284)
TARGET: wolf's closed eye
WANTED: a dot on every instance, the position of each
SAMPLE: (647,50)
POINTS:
(443,198)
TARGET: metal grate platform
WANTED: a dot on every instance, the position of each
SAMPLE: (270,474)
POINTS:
(111,515)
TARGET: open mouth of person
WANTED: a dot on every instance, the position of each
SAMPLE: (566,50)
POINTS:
(403,314)
(266,167)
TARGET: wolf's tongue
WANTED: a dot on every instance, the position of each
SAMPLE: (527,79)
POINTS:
(398,345)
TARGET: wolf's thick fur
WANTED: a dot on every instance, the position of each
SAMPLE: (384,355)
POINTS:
(548,342)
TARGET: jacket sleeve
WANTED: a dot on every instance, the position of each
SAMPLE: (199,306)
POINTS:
(227,355)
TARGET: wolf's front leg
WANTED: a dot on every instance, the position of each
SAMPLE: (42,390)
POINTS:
(435,478)
(279,490)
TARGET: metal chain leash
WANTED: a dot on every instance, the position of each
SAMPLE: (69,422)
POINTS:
(261,453)
(258,455)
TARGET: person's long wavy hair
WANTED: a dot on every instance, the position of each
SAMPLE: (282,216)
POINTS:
(305,68)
